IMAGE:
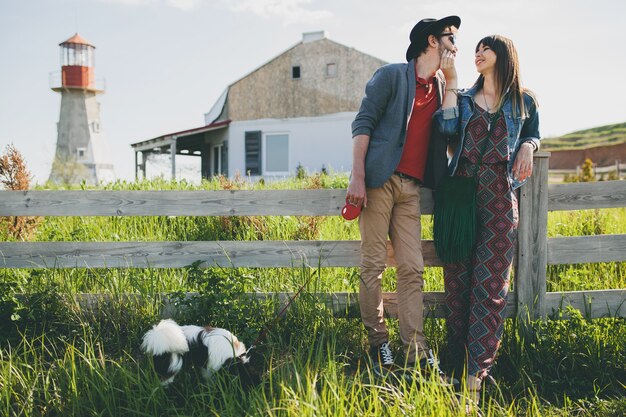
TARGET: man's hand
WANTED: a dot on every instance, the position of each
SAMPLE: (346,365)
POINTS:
(356,192)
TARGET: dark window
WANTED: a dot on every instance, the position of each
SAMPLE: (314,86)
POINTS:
(295,72)
(225,158)
(217,160)
(253,152)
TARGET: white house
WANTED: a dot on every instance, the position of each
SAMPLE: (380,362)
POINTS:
(294,110)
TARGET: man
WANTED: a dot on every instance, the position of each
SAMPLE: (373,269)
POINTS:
(395,151)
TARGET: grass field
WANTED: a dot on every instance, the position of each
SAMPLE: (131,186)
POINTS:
(57,359)
(582,139)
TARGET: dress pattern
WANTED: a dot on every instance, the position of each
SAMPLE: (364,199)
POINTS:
(476,290)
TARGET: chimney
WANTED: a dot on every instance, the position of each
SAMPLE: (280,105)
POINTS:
(313,36)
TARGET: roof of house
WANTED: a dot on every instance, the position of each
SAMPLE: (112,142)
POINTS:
(165,140)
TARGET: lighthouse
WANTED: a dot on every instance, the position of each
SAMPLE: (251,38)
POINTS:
(81,150)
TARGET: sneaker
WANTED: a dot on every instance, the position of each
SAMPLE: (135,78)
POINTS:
(430,372)
(382,359)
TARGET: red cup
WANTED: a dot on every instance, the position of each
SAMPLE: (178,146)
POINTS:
(350,211)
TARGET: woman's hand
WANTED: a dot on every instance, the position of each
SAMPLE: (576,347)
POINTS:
(449,72)
(523,165)
(448,67)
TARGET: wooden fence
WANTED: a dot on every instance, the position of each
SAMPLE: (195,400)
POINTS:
(617,170)
(535,250)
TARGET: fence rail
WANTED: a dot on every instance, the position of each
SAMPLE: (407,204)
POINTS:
(535,250)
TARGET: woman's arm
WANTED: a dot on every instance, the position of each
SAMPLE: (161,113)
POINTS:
(530,128)
(447,117)
(529,143)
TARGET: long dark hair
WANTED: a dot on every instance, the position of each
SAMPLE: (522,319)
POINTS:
(508,82)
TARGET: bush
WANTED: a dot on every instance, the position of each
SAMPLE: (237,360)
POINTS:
(15,176)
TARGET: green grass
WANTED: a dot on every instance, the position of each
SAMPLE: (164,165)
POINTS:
(583,139)
(596,276)
(58,359)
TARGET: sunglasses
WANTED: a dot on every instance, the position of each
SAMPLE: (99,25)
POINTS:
(450,35)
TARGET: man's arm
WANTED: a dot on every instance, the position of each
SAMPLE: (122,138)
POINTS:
(356,189)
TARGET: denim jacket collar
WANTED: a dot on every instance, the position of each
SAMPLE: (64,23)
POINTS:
(472,91)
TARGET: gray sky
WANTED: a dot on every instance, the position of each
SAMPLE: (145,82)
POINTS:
(167,61)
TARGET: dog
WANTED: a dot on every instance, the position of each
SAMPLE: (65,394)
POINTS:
(208,349)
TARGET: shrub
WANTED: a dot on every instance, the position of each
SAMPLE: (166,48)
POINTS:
(300,172)
(15,176)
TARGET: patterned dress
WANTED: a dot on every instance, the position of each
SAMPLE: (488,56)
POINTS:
(476,290)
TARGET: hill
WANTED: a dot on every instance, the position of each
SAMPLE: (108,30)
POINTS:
(584,139)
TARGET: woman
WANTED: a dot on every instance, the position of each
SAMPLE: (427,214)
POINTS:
(497,128)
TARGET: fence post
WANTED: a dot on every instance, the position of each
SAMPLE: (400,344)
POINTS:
(532,254)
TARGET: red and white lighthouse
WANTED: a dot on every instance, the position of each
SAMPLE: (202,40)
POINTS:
(81,151)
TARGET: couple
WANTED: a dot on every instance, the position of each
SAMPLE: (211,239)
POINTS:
(410,115)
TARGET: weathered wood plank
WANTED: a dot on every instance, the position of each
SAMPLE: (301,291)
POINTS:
(594,304)
(587,195)
(342,304)
(180,203)
(532,242)
(171,203)
(568,250)
(250,254)
(586,249)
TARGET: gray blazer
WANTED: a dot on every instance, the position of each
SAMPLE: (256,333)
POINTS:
(384,117)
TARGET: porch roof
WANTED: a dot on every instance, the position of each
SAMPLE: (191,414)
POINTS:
(185,139)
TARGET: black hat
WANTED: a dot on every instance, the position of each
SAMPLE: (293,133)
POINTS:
(426,27)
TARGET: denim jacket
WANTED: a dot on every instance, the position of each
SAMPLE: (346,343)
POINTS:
(522,128)
(384,116)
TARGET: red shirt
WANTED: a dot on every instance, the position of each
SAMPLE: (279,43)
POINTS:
(415,152)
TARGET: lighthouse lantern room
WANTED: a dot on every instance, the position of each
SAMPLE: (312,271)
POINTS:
(77,62)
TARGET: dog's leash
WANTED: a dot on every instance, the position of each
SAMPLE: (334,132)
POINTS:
(266,328)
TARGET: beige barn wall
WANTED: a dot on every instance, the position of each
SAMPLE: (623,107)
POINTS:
(270,92)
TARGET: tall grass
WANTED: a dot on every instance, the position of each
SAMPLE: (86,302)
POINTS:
(313,367)
(59,358)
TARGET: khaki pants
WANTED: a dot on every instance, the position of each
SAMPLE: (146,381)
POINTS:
(393,210)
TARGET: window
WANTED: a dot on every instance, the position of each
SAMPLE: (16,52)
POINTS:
(269,155)
(277,153)
(80,153)
(295,72)
(331,70)
(253,152)
(95,127)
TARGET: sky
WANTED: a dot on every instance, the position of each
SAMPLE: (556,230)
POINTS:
(167,61)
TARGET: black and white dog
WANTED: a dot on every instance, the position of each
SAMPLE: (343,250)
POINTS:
(208,349)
